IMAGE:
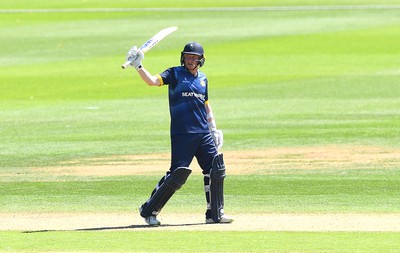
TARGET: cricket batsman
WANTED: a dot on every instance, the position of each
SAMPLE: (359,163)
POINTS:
(193,133)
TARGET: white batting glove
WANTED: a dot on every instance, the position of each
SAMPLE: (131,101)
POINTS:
(137,62)
(218,138)
(132,53)
(135,56)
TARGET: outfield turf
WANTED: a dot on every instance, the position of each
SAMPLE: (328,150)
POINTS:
(278,79)
(151,241)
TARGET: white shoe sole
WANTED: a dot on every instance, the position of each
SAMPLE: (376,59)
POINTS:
(152,221)
(224,219)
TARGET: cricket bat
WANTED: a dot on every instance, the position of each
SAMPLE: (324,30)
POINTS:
(153,41)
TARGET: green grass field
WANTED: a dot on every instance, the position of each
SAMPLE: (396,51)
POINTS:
(278,79)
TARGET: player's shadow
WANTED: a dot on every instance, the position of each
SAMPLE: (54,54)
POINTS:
(140,227)
(118,228)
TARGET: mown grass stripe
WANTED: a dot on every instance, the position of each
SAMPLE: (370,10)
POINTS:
(213,9)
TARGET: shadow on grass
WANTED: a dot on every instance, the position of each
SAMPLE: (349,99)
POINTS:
(116,228)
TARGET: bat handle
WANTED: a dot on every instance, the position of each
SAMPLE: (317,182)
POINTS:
(123,66)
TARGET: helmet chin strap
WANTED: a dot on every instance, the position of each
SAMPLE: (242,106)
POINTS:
(196,67)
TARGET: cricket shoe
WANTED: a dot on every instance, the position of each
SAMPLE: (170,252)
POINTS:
(224,219)
(151,220)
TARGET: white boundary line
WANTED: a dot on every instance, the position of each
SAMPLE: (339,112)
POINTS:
(230,9)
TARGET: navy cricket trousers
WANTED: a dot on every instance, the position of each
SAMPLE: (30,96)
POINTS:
(186,146)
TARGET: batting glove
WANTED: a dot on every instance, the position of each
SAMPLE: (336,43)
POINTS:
(132,53)
(218,138)
(135,57)
(137,62)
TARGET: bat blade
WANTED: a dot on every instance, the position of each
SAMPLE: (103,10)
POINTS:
(153,41)
(157,38)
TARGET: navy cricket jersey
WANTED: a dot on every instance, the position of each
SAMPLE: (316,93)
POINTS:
(187,98)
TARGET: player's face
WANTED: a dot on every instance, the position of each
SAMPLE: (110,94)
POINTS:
(191,61)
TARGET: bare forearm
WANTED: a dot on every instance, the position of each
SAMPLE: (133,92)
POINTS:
(148,78)
(210,117)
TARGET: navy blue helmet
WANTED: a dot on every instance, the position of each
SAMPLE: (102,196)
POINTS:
(194,48)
